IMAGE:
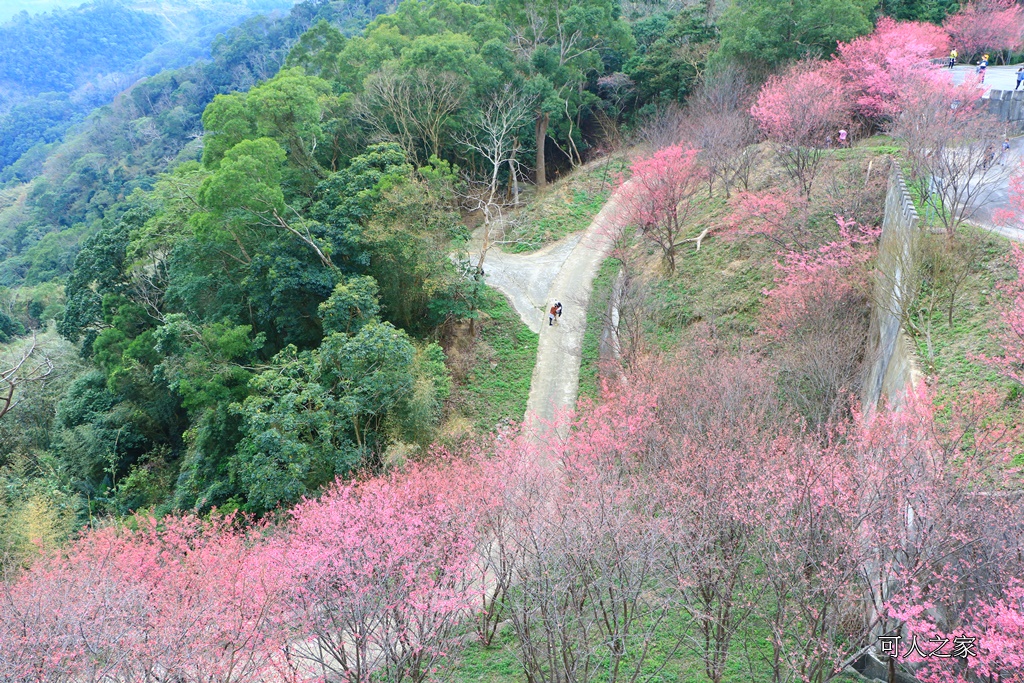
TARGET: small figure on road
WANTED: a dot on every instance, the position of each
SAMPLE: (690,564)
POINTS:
(552,313)
(1020,77)
(982,66)
(558,309)
(842,137)
(990,156)
(953,54)
(1005,152)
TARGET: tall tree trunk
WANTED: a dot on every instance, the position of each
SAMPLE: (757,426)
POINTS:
(513,175)
(542,136)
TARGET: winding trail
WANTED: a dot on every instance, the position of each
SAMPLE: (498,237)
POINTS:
(563,271)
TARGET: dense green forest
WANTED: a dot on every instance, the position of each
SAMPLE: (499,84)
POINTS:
(57,67)
(254,261)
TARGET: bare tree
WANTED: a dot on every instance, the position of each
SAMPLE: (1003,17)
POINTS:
(951,141)
(664,127)
(590,593)
(25,365)
(719,123)
(412,109)
(495,138)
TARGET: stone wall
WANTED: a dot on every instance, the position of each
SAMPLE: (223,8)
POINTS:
(892,368)
(1008,105)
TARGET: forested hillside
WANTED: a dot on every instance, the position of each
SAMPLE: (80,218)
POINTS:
(57,67)
(260,410)
(277,221)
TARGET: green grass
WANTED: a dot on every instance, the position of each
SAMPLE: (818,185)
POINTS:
(568,205)
(497,385)
(596,310)
(721,285)
(950,363)
(499,664)
(494,664)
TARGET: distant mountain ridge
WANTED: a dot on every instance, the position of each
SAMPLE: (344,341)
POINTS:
(55,195)
(58,66)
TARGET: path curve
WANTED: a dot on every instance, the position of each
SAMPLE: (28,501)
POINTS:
(565,272)
(556,374)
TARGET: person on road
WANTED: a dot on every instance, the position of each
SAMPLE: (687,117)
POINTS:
(552,312)
(1005,152)
(1020,77)
(953,54)
(982,66)
(558,309)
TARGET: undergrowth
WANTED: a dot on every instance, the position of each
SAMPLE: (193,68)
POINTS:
(496,383)
(567,205)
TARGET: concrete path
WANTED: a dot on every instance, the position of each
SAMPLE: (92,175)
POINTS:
(564,272)
(526,278)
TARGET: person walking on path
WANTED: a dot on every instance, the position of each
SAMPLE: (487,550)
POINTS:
(1020,77)
(552,313)
(953,54)
(982,65)
(558,309)
(1005,152)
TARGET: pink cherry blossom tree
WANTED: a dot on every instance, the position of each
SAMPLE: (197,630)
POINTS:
(996,25)
(816,320)
(659,197)
(875,69)
(179,600)
(378,574)
(799,111)
(952,144)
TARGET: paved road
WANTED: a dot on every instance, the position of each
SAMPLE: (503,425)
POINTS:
(556,375)
(996,77)
(565,272)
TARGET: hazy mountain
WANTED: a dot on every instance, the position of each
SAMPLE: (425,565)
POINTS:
(57,66)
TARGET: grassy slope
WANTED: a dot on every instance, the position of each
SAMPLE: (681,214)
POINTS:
(949,361)
(568,205)
(596,313)
(499,663)
(722,285)
(497,382)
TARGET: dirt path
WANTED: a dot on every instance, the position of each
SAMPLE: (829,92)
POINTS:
(564,272)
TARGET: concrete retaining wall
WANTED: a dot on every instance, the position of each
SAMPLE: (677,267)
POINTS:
(1008,105)
(892,366)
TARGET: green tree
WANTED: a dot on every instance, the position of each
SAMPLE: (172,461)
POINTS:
(9,327)
(561,44)
(348,199)
(298,111)
(763,34)
(208,367)
(316,415)
(671,52)
(318,51)
(410,239)
(352,304)
(934,11)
